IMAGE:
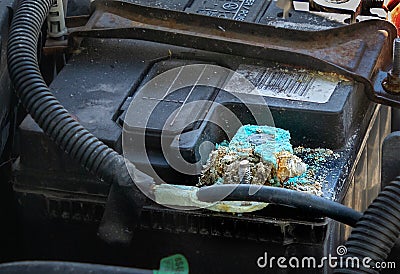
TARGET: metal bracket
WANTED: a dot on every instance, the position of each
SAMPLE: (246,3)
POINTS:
(340,50)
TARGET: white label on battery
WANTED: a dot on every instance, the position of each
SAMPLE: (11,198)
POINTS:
(294,84)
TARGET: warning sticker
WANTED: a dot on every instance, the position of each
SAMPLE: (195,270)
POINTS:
(240,10)
(293,84)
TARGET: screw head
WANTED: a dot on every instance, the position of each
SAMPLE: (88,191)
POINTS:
(392,82)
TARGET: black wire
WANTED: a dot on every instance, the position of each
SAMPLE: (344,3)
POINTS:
(306,202)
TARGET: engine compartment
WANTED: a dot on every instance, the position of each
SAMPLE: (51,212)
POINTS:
(104,74)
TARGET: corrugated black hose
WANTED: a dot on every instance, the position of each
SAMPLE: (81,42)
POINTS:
(375,233)
(50,115)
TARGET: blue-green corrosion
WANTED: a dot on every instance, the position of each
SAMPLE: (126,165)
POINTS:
(265,140)
(302,180)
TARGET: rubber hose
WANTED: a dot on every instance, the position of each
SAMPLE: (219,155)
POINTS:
(375,233)
(45,109)
(304,201)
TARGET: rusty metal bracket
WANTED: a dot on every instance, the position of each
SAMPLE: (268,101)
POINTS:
(340,50)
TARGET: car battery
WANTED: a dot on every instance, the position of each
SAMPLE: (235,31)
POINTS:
(100,80)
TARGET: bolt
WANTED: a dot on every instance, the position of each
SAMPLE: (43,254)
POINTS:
(396,57)
(392,82)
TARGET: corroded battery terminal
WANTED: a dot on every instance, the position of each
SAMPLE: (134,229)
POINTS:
(259,155)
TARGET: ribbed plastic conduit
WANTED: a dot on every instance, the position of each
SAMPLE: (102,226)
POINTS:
(45,109)
(375,233)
